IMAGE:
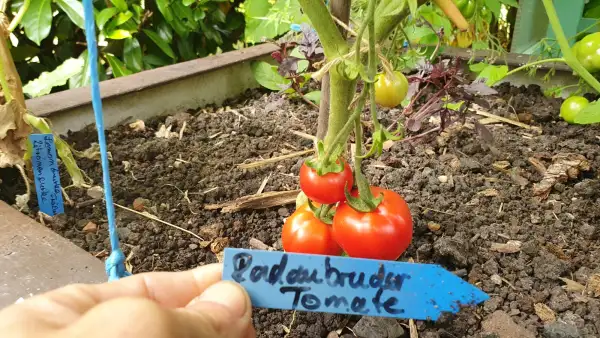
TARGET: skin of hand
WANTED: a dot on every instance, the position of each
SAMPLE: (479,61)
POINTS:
(189,304)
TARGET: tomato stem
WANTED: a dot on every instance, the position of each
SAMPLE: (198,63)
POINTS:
(563,42)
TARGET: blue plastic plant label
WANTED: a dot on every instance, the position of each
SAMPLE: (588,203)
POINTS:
(47,177)
(348,285)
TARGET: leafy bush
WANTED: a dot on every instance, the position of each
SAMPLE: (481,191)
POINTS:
(134,35)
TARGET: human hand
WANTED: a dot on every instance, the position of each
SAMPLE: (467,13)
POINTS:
(194,304)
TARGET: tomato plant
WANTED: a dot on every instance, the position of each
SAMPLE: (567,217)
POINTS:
(383,233)
(328,188)
(303,232)
(571,107)
(389,92)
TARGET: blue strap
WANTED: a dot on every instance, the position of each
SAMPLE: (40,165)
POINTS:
(115,263)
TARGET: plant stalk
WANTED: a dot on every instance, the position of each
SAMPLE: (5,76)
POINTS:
(334,44)
(569,58)
(531,64)
(17,19)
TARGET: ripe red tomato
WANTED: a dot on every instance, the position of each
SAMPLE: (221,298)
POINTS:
(326,189)
(384,233)
(303,232)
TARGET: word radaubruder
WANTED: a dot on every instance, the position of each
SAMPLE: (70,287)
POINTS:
(348,285)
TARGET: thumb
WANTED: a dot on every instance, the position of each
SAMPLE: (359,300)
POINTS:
(224,309)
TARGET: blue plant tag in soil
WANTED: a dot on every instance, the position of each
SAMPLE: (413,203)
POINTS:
(47,177)
(348,285)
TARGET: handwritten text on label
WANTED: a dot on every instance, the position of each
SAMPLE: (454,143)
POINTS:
(47,176)
(348,285)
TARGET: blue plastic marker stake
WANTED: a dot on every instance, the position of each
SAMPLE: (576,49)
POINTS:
(47,176)
(348,285)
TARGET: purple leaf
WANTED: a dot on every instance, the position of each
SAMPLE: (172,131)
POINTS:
(480,88)
(288,66)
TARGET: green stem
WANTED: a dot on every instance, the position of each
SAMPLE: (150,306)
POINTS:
(17,19)
(341,92)
(342,136)
(331,38)
(531,64)
(570,59)
(364,190)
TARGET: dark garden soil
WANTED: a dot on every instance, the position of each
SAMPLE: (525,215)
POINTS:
(467,197)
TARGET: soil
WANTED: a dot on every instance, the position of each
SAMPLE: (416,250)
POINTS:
(463,199)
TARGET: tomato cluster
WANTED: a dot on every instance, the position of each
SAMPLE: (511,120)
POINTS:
(383,233)
(587,51)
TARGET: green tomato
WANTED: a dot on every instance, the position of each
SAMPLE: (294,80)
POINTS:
(587,52)
(469,9)
(460,4)
(571,107)
(390,92)
(486,14)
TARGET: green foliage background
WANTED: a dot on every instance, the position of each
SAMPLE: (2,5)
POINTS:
(49,50)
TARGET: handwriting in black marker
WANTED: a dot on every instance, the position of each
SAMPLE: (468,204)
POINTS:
(241,262)
(308,301)
(387,304)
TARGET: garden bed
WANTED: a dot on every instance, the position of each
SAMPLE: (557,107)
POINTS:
(466,196)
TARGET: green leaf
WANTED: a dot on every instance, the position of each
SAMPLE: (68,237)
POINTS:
(83,77)
(185,15)
(23,52)
(188,2)
(264,20)
(165,9)
(314,96)
(218,16)
(413,5)
(494,6)
(590,114)
(118,34)
(118,67)
(165,31)
(160,42)
(267,76)
(37,20)
(154,60)
(74,9)
(491,73)
(186,49)
(511,3)
(123,17)
(120,4)
(132,54)
(58,77)
(105,15)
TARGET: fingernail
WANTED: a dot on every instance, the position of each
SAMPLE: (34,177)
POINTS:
(228,294)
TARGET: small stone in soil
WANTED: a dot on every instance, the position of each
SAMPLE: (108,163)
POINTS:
(378,327)
(560,330)
(283,212)
(452,248)
(95,192)
(433,226)
(90,227)
(501,324)
(139,204)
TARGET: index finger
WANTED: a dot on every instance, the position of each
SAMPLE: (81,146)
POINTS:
(169,289)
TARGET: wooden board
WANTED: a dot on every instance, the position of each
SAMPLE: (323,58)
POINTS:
(34,259)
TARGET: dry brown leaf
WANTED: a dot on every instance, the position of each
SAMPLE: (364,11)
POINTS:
(262,201)
(501,165)
(257,244)
(220,256)
(508,247)
(594,285)
(563,168)
(204,244)
(538,165)
(218,244)
(556,251)
(571,285)
(137,125)
(13,134)
(490,192)
(544,312)
(165,132)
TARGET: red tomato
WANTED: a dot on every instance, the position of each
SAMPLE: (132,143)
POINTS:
(384,233)
(303,232)
(326,189)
